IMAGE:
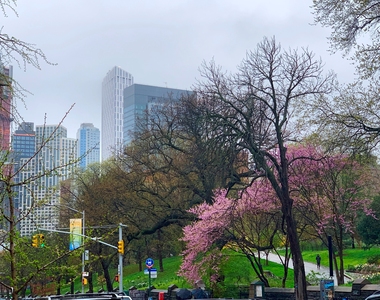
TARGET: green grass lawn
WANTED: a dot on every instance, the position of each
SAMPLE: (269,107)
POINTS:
(134,277)
(352,257)
(237,270)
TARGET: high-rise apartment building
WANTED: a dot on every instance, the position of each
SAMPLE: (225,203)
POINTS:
(113,86)
(23,148)
(88,137)
(54,161)
(6,74)
(138,99)
(24,141)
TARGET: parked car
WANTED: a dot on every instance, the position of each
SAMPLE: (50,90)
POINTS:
(86,296)
(375,295)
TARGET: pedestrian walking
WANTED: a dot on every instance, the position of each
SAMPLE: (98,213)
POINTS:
(318,259)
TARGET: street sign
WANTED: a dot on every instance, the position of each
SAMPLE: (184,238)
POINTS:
(85,274)
(149,263)
(152,271)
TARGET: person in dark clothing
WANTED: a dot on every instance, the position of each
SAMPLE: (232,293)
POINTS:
(318,259)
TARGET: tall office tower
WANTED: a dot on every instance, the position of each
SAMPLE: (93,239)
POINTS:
(138,99)
(24,141)
(88,137)
(6,74)
(55,161)
(23,146)
(113,86)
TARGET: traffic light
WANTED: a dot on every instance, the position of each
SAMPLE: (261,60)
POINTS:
(42,240)
(35,240)
(84,281)
(116,278)
(120,247)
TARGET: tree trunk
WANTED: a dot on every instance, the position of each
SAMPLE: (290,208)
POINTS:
(298,263)
(90,283)
(107,276)
(59,278)
(159,251)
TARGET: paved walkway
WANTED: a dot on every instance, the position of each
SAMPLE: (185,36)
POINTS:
(308,267)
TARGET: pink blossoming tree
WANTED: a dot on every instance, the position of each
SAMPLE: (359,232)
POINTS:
(328,193)
(250,225)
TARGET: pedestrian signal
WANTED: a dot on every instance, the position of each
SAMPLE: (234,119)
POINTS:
(42,240)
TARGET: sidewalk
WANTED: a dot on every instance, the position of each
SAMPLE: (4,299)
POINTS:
(308,267)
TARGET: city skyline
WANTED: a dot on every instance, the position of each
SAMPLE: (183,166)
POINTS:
(161,43)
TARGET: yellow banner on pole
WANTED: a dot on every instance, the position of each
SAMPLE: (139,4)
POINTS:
(75,233)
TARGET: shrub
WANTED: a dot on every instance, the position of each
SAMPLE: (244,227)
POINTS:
(374,259)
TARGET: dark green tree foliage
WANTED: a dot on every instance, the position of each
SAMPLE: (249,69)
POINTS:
(369,226)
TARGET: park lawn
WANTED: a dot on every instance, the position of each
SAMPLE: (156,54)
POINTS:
(351,257)
(237,270)
(136,278)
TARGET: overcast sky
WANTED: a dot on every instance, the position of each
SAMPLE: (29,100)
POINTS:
(160,43)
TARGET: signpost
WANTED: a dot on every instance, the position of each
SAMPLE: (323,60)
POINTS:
(149,264)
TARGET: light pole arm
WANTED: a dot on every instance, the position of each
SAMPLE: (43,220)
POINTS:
(91,238)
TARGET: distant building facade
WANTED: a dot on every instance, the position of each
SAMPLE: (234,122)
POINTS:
(6,74)
(23,147)
(24,141)
(5,106)
(88,137)
(55,156)
(113,86)
(139,99)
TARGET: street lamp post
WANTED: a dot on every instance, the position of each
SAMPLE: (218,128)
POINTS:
(83,235)
(83,250)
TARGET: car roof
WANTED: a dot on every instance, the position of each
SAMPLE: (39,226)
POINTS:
(373,296)
(92,296)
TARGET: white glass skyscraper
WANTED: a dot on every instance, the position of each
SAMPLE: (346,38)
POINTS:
(113,86)
(88,137)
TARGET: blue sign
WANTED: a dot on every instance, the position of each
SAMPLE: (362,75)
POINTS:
(149,263)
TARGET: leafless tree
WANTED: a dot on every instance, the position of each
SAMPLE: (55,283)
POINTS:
(253,109)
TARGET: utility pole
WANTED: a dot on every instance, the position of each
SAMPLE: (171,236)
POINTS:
(121,260)
(83,253)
